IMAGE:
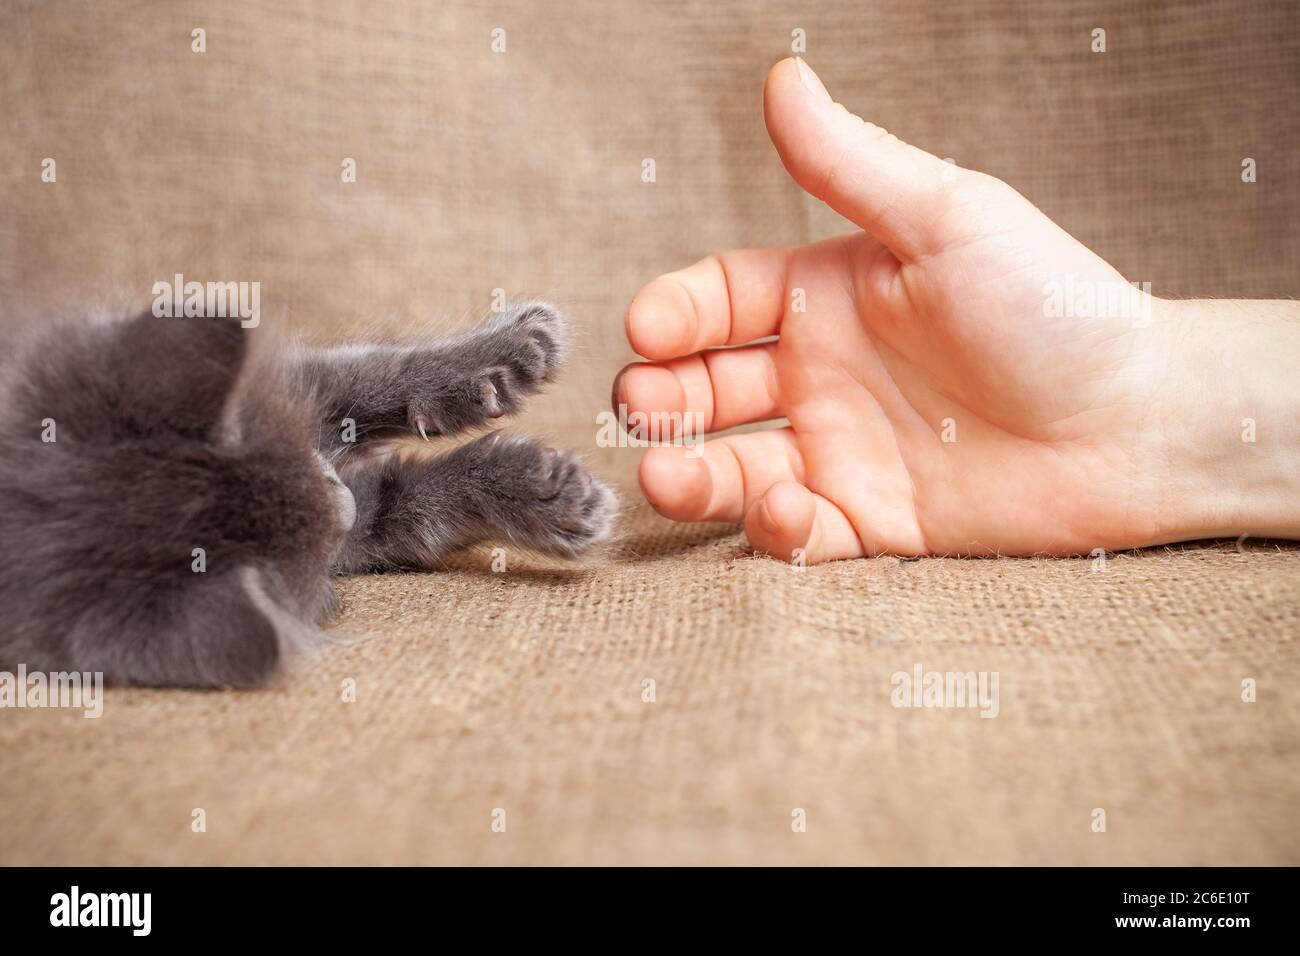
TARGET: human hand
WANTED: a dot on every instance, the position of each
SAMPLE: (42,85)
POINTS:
(950,386)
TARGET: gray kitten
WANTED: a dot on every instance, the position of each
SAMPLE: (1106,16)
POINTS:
(172,502)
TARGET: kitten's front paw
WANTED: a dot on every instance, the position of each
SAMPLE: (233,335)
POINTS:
(456,403)
(561,508)
(492,370)
(529,341)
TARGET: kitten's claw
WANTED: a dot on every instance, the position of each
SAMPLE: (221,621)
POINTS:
(487,373)
(419,424)
(490,400)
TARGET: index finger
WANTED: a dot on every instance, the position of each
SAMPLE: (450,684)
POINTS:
(727,299)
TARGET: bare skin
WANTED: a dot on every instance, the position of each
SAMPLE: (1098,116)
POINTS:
(955,378)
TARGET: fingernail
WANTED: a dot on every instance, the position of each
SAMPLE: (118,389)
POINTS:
(615,396)
(810,79)
(765,520)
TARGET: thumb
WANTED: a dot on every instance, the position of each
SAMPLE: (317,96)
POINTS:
(894,191)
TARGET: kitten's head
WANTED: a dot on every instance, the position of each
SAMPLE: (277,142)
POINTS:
(166,519)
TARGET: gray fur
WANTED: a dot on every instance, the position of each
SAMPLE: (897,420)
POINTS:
(172,435)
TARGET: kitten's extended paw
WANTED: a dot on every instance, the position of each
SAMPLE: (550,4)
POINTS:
(556,506)
(454,404)
(529,339)
(489,372)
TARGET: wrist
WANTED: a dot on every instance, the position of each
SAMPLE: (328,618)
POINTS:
(1229,419)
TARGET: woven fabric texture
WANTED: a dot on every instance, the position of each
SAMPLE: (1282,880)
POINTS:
(522,697)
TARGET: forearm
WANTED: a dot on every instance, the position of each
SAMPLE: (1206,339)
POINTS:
(1231,418)
(407,514)
(367,383)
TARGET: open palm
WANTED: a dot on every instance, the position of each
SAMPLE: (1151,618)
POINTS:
(961,377)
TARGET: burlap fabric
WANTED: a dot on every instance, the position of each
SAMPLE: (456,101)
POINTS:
(526,691)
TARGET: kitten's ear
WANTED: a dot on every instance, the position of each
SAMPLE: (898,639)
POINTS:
(226,635)
(177,372)
(219,632)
